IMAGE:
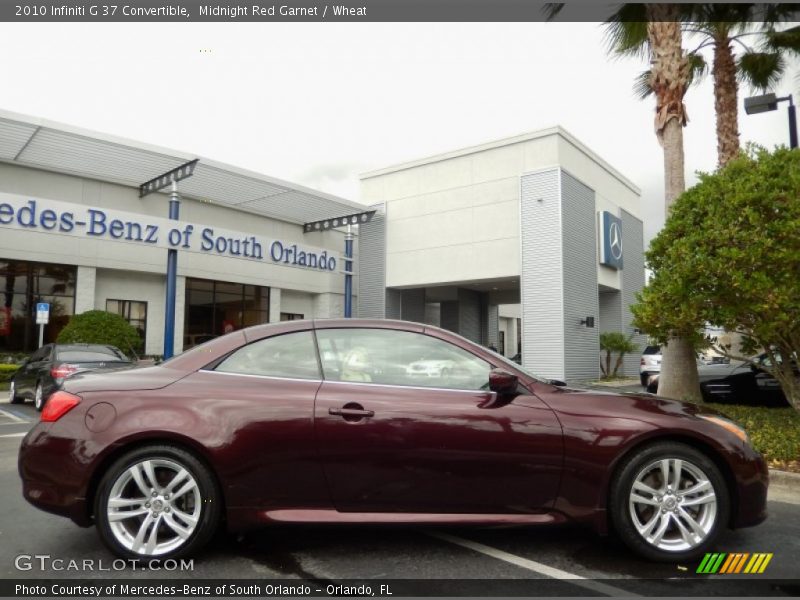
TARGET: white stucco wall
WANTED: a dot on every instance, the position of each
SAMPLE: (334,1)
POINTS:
(455,217)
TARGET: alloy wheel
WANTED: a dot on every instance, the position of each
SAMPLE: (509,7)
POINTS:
(154,507)
(673,505)
(38,397)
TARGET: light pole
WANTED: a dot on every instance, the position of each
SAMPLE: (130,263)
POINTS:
(171,179)
(769,102)
(348,221)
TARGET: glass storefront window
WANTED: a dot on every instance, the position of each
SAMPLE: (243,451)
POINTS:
(134,312)
(214,308)
(22,285)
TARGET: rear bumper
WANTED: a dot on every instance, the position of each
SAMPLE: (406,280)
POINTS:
(52,479)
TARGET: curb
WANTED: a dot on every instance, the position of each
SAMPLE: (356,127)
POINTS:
(784,478)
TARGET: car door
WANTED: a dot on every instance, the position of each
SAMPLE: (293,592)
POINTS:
(31,370)
(259,404)
(403,423)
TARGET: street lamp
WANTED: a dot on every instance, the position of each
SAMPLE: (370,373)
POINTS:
(769,102)
(348,221)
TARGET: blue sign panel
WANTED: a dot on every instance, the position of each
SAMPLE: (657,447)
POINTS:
(610,240)
(42,307)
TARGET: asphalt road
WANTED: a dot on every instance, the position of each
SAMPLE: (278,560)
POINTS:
(493,557)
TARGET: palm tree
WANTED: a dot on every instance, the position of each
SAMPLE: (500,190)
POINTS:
(655,31)
(759,63)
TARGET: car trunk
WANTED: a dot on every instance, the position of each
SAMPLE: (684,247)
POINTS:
(145,378)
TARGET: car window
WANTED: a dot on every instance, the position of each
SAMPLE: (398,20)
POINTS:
(91,355)
(41,354)
(290,355)
(652,350)
(393,357)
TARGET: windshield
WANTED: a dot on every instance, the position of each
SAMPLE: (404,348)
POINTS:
(92,354)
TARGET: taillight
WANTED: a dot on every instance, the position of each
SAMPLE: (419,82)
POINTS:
(642,362)
(58,405)
(62,371)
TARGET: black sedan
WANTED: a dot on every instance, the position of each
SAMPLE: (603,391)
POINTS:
(737,383)
(47,368)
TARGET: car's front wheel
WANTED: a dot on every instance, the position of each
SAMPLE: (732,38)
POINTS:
(669,502)
(157,502)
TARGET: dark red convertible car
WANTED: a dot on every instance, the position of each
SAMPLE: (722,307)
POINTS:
(358,421)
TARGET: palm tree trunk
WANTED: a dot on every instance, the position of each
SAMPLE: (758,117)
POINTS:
(726,92)
(669,80)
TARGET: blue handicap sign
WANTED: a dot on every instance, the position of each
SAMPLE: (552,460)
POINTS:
(42,307)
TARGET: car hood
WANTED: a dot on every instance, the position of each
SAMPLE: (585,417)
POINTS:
(138,378)
(638,401)
(716,371)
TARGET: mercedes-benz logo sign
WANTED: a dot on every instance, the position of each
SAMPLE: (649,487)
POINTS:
(615,241)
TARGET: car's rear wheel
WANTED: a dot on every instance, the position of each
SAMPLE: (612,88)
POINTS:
(157,502)
(13,398)
(38,397)
(669,502)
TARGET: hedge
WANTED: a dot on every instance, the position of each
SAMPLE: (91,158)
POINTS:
(7,372)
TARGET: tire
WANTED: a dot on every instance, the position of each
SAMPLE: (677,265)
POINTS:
(13,398)
(643,377)
(709,508)
(38,397)
(184,523)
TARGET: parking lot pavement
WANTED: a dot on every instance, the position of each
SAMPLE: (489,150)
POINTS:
(344,553)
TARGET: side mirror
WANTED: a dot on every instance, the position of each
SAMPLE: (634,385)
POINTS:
(502,382)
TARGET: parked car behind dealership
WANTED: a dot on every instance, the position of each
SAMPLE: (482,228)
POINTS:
(650,363)
(736,383)
(47,368)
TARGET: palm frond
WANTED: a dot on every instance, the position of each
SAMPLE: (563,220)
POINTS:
(773,13)
(786,40)
(761,70)
(626,31)
(698,67)
(641,85)
(551,10)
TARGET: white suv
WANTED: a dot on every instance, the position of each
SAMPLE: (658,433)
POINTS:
(650,363)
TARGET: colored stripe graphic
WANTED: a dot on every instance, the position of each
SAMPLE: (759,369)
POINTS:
(727,564)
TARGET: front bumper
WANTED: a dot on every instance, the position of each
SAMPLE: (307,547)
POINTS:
(752,482)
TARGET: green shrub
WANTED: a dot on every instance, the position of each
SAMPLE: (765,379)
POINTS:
(100,327)
(774,432)
(7,372)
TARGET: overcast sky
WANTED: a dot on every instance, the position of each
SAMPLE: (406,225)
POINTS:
(319,103)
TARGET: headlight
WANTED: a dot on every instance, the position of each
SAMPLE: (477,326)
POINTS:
(729,425)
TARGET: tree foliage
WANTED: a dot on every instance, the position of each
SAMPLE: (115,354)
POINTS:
(611,342)
(729,255)
(100,327)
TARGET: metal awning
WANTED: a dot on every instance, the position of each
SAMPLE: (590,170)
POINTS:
(38,143)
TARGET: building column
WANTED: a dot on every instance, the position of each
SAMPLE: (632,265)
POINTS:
(180,313)
(85,289)
(274,304)
(412,305)
(490,325)
(330,306)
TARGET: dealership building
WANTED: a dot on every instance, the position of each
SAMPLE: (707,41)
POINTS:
(531,244)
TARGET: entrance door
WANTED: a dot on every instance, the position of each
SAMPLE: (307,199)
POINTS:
(401,426)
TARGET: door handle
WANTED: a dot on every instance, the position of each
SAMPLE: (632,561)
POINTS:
(351,412)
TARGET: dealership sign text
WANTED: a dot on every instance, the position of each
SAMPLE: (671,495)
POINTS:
(55,217)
